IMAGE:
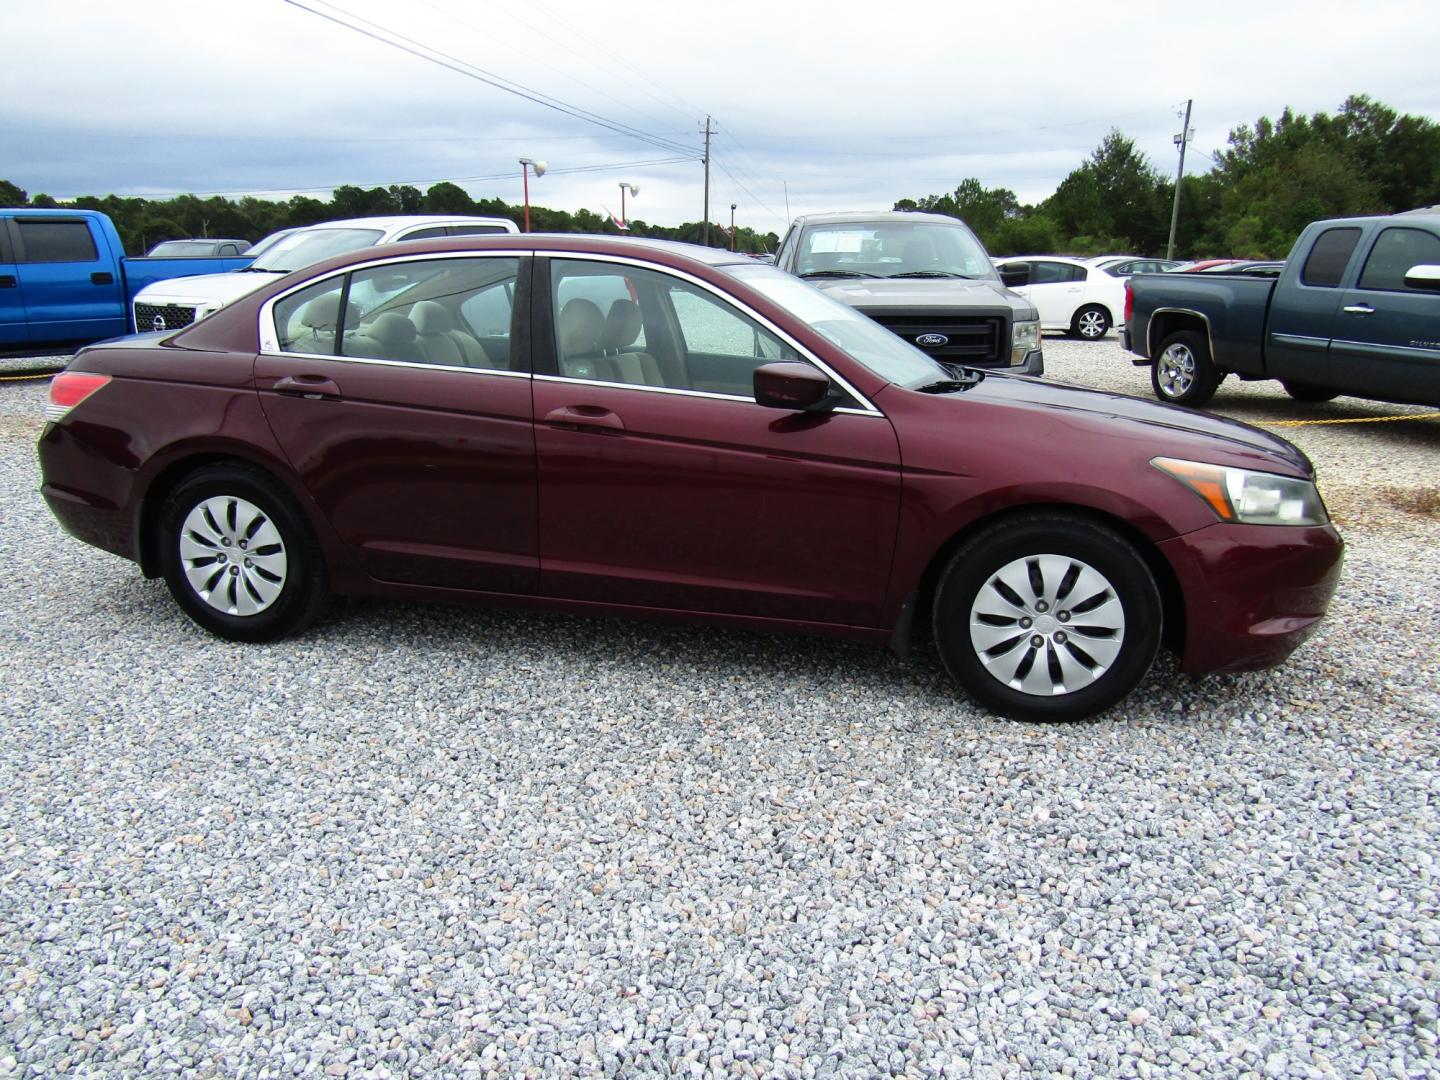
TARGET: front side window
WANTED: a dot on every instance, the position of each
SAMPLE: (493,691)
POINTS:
(1394,253)
(1326,263)
(625,324)
(56,241)
(866,342)
(446,312)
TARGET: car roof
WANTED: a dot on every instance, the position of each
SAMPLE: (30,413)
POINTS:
(857,217)
(1048,258)
(397,221)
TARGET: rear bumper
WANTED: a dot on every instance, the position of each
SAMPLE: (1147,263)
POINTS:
(1253,593)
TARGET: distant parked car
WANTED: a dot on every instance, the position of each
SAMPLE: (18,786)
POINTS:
(1257,267)
(716,441)
(1082,300)
(1122,268)
(1203,264)
(171,305)
(181,249)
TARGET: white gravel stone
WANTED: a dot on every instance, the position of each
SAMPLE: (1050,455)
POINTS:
(424,841)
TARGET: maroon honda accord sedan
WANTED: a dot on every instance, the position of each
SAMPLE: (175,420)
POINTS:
(601,425)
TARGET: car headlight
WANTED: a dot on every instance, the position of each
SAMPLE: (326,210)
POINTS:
(1024,339)
(1247,497)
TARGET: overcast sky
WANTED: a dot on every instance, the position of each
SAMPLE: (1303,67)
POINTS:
(818,105)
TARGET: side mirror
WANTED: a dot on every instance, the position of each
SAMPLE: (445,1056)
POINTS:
(1425,277)
(789,384)
(1015,277)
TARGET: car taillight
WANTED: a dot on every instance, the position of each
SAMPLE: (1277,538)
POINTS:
(69,389)
(1129,300)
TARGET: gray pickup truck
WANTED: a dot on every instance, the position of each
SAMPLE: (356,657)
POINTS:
(925,277)
(1356,310)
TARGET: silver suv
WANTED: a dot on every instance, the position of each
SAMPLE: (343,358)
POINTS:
(926,277)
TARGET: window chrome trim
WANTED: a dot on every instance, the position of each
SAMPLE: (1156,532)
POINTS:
(419,364)
(269,336)
(867,408)
(712,395)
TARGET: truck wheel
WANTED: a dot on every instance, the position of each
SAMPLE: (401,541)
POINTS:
(1306,392)
(1183,373)
(1047,617)
(1090,322)
(239,556)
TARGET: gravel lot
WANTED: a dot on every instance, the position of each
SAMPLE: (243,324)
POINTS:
(430,841)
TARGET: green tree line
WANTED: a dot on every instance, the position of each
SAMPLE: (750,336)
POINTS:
(143,223)
(1273,179)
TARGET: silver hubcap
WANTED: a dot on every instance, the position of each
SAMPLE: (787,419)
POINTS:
(1092,324)
(1177,370)
(1047,625)
(233,555)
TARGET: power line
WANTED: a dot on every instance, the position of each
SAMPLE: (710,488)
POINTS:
(471,71)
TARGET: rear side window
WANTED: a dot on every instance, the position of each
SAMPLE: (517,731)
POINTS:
(1329,257)
(1053,273)
(56,242)
(476,230)
(1394,253)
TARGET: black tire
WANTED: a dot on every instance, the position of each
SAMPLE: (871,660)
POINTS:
(269,593)
(1306,392)
(1090,323)
(1072,555)
(1182,371)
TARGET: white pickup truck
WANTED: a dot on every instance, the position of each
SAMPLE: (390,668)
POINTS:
(176,303)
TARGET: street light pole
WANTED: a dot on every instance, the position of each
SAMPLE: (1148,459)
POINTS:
(732,226)
(1181,141)
(634,189)
(525,166)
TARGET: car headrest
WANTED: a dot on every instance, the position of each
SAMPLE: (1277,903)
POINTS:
(430,318)
(320,313)
(392,328)
(580,326)
(622,325)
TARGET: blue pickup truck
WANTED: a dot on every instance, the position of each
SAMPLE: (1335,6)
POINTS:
(1356,310)
(65,279)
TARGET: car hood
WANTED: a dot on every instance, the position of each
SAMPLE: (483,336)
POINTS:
(1167,429)
(211,288)
(880,294)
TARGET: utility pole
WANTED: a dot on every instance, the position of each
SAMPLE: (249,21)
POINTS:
(1181,140)
(706,232)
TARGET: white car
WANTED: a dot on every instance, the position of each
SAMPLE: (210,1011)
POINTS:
(1070,294)
(178,302)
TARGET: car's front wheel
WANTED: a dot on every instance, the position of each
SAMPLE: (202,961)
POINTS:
(239,556)
(1090,323)
(1183,372)
(1047,617)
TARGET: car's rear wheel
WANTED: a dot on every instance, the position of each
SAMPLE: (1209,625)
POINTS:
(239,556)
(1047,617)
(1183,372)
(1091,322)
(1306,392)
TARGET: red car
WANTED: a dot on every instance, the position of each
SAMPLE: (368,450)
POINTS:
(591,424)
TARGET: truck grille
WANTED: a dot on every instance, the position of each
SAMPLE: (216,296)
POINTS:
(978,340)
(169,316)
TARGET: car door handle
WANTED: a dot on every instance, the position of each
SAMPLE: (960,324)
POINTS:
(586,418)
(1359,309)
(7,281)
(102,277)
(314,387)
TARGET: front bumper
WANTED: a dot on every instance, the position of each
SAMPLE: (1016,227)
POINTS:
(1253,593)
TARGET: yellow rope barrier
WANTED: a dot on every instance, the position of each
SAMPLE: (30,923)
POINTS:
(1349,420)
(22,378)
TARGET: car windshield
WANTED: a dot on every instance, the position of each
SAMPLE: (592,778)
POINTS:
(311,245)
(173,248)
(859,336)
(892,249)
